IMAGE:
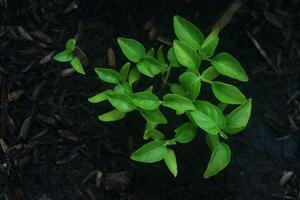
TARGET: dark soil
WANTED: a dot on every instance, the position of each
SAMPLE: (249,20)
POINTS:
(53,146)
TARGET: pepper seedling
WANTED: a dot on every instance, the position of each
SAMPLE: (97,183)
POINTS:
(186,55)
(68,55)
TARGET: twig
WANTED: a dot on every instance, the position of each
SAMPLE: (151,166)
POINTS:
(262,52)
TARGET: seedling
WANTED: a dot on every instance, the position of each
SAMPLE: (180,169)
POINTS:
(68,55)
(188,52)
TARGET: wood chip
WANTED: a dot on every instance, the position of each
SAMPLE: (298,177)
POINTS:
(111,57)
(25,34)
(25,128)
(287,176)
(68,135)
(149,24)
(13,96)
(164,40)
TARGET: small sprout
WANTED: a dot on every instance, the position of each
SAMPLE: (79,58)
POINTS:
(188,52)
(68,55)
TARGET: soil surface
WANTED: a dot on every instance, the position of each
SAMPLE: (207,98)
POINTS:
(53,147)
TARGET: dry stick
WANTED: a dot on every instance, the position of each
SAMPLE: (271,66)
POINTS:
(226,17)
(262,52)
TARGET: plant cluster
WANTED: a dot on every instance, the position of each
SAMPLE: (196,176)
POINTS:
(68,55)
(188,52)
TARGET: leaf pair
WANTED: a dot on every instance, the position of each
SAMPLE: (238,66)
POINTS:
(135,52)
(156,151)
(68,56)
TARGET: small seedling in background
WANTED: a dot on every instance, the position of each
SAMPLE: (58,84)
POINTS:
(68,55)
(188,52)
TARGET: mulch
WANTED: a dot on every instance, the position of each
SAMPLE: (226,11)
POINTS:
(53,146)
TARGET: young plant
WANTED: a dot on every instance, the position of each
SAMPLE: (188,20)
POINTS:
(68,55)
(188,52)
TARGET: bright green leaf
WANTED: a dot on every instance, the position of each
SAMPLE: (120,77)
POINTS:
(151,152)
(132,49)
(154,116)
(185,133)
(210,43)
(210,74)
(123,88)
(185,55)
(212,112)
(108,75)
(227,93)
(219,159)
(160,55)
(204,122)
(170,160)
(99,97)
(172,58)
(146,100)
(177,89)
(149,66)
(229,66)
(71,44)
(113,115)
(212,141)
(187,32)
(154,134)
(191,83)
(177,102)
(134,75)
(76,64)
(64,56)
(238,119)
(121,102)
(124,71)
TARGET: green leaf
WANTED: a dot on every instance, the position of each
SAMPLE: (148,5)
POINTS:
(146,100)
(132,49)
(113,115)
(210,74)
(177,102)
(210,43)
(204,122)
(76,64)
(170,160)
(134,75)
(121,102)
(212,111)
(177,89)
(229,66)
(108,75)
(64,56)
(212,141)
(123,88)
(149,66)
(154,134)
(191,83)
(160,55)
(151,152)
(124,72)
(227,93)
(172,58)
(150,52)
(154,116)
(219,159)
(185,55)
(99,97)
(238,119)
(71,44)
(185,133)
(150,125)
(187,32)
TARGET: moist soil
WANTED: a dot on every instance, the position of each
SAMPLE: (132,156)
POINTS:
(53,147)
